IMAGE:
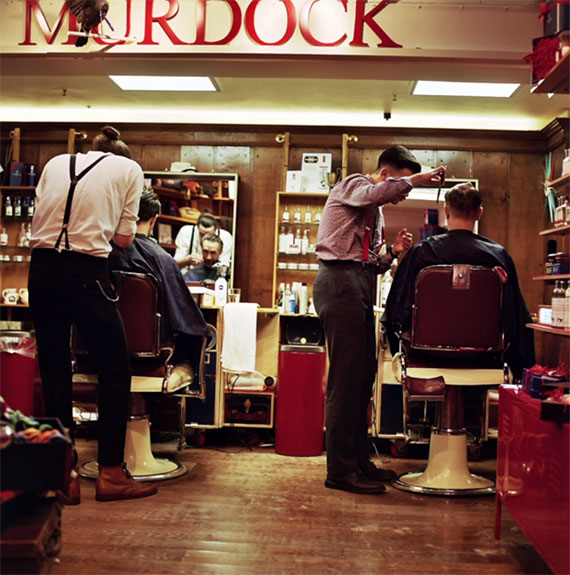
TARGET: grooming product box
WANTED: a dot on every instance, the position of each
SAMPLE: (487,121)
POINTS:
(314,169)
(556,18)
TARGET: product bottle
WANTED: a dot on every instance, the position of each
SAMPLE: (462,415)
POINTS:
(567,307)
(286,218)
(385,287)
(308,216)
(31,207)
(305,242)
(221,288)
(303,298)
(28,234)
(556,305)
(297,216)
(295,246)
(289,240)
(17,207)
(287,299)
(22,236)
(3,237)
(294,300)
(318,216)
(8,208)
(281,298)
(282,240)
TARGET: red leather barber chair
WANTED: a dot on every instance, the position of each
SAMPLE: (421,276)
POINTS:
(456,340)
(152,372)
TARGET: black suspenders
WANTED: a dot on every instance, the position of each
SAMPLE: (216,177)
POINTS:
(74,179)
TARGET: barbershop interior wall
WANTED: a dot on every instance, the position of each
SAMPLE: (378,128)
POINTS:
(508,165)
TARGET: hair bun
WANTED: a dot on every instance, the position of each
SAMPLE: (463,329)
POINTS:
(111,133)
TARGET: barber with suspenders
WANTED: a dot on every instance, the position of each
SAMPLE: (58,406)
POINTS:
(348,247)
(83,202)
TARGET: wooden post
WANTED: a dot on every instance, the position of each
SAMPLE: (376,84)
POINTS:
(71,141)
(15,134)
(284,139)
(346,139)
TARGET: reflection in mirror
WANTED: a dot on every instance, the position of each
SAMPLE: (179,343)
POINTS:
(197,224)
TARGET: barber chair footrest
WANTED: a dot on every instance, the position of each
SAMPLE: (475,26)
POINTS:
(446,472)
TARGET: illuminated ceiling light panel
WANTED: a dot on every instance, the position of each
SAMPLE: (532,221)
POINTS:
(166,83)
(472,89)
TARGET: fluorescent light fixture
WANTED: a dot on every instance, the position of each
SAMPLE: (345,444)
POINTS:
(473,89)
(166,83)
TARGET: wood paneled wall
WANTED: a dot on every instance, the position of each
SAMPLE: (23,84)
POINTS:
(508,165)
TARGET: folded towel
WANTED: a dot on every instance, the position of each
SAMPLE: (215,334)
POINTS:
(240,332)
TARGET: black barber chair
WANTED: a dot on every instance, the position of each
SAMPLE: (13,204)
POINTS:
(152,372)
(456,340)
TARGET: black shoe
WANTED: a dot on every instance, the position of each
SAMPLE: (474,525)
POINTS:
(355,483)
(370,471)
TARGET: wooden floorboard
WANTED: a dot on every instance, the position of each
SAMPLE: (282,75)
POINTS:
(256,512)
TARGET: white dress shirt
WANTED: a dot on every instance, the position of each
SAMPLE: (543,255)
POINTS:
(105,203)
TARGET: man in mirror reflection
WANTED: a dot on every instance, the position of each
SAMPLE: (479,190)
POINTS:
(188,242)
(211,266)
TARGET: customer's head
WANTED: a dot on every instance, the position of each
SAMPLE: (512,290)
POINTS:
(212,247)
(149,205)
(463,207)
(464,201)
(398,161)
(109,141)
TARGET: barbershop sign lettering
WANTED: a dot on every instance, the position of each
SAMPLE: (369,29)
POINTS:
(294,26)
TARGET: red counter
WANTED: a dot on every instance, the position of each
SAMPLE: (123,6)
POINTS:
(533,482)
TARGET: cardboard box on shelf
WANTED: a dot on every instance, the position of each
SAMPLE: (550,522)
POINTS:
(314,168)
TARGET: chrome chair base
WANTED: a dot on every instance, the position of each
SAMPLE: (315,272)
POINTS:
(141,463)
(446,472)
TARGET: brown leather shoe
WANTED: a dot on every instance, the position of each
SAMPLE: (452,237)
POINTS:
(369,470)
(71,496)
(115,483)
(355,483)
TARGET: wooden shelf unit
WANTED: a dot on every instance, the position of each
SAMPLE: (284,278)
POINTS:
(556,82)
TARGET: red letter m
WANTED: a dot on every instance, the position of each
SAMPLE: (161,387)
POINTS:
(33,8)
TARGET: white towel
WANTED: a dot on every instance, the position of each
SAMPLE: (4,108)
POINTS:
(240,332)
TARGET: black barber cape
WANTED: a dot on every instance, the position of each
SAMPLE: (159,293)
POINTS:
(179,311)
(462,247)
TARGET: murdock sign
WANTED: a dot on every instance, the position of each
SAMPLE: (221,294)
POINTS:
(184,25)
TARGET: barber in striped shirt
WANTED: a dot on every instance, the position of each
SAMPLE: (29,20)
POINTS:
(348,246)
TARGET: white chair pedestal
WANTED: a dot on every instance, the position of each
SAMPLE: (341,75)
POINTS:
(447,472)
(140,461)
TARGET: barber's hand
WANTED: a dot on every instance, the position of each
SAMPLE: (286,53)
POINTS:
(194,259)
(433,177)
(403,242)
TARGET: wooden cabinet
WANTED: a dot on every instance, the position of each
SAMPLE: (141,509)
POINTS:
(296,263)
(533,476)
(14,248)
(185,195)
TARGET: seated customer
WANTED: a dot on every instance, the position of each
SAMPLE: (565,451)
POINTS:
(181,316)
(189,241)
(463,207)
(209,269)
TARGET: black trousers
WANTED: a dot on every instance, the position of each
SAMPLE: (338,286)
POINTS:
(66,288)
(344,296)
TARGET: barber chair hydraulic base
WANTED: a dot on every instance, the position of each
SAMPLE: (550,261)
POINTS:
(140,461)
(446,472)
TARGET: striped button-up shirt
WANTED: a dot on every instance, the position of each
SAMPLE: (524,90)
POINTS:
(353,204)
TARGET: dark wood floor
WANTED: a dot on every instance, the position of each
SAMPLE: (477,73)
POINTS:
(242,511)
